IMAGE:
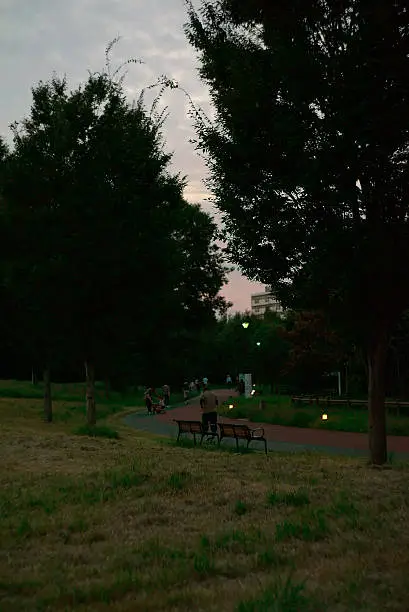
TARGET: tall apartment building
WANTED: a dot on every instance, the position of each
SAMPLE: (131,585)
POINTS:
(260,302)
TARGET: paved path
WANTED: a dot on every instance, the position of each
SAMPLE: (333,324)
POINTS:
(279,438)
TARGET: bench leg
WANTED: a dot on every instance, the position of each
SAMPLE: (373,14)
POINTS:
(177,439)
(194,439)
(201,439)
(265,445)
(237,443)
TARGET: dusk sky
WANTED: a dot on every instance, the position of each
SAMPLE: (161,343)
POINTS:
(39,37)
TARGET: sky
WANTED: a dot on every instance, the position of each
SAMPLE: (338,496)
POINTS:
(69,37)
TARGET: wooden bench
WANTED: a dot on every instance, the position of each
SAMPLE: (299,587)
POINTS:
(242,432)
(196,429)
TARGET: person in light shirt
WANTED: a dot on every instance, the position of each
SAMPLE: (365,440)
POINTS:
(208,405)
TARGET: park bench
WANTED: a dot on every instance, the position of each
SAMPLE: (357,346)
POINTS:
(242,432)
(196,429)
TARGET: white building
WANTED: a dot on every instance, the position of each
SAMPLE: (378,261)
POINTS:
(261,302)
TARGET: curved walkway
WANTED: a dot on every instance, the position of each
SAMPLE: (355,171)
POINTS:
(279,437)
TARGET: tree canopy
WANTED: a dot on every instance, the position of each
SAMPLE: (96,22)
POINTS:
(308,156)
(110,257)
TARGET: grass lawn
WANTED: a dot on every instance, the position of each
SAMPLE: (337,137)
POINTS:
(280,411)
(137,523)
(73,397)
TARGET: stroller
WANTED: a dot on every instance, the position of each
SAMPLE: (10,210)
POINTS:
(159,407)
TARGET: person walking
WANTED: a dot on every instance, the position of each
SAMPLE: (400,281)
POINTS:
(185,392)
(242,387)
(166,394)
(148,400)
(208,405)
(228,379)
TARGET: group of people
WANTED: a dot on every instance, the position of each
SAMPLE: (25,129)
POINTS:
(240,386)
(208,401)
(195,385)
(162,399)
(159,401)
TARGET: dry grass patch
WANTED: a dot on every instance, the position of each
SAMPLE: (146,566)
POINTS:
(139,524)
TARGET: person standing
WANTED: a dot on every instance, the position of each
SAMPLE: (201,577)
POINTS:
(208,405)
(185,391)
(148,400)
(228,379)
(166,394)
(205,381)
(242,387)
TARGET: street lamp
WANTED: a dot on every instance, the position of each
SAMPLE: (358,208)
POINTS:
(245,324)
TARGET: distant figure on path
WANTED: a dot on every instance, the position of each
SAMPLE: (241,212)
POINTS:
(197,383)
(205,381)
(242,387)
(208,405)
(148,400)
(228,379)
(192,386)
(166,394)
(186,391)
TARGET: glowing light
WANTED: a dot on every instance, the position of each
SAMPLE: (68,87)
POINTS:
(231,406)
(253,392)
(324,417)
(258,343)
(245,324)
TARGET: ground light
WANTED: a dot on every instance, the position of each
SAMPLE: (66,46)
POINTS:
(245,324)
(231,406)
(324,417)
(258,343)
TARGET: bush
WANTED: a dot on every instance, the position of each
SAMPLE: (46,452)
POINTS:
(302,419)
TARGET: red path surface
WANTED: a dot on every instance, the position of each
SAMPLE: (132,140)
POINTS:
(292,435)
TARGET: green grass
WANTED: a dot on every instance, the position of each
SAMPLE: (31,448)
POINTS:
(279,411)
(135,523)
(96,431)
(288,498)
(281,596)
(69,399)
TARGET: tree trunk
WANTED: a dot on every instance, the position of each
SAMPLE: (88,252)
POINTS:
(48,403)
(377,354)
(90,393)
(346,379)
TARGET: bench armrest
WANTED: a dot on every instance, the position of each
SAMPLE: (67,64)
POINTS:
(257,433)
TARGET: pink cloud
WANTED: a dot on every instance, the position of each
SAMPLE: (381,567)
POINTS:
(238,290)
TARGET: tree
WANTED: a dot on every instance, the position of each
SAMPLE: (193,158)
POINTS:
(308,156)
(112,256)
(315,349)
